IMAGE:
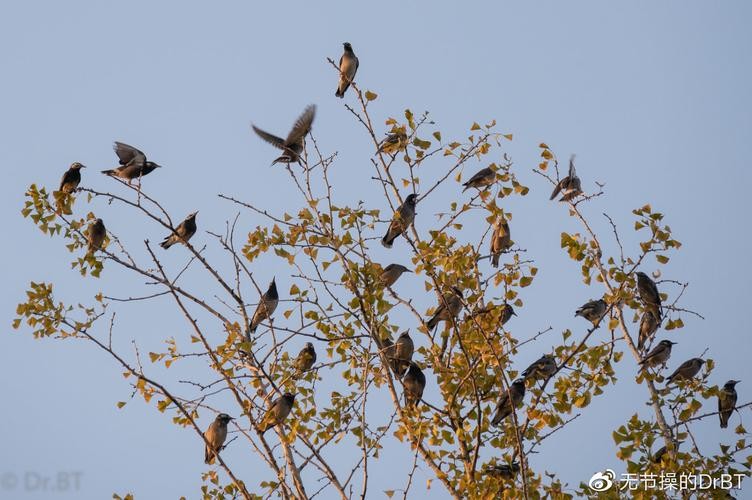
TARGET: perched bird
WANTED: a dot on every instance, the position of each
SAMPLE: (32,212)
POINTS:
(659,355)
(661,452)
(483,178)
(348,66)
(507,311)
(727,402)
(133,163)
(182,233)
(686,370)
(541,369)
(448,309)
(294,144)
(266,306)
(95,235)
(648,326)
(393,142)
(215,437)
(71,178)
(391,274)
(503,471)
(402,353)
(305,359)
(413,384)
(501,241)
(593,310)
(278,412)
(569,187)
(649,294)
(509,401)
(403,217)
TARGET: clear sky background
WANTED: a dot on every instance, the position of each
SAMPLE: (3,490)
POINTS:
(652,96)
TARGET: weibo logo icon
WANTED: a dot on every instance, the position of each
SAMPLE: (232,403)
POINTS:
(602,481)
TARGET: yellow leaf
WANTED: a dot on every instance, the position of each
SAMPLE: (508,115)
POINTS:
(508,137)
(475,126)
(371,96)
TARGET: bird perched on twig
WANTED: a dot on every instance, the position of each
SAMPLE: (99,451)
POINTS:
(413,385)
(648,326)
(402,354)
(569,187)
(392,273)
(727,402)
(503,471)
(182,233)
(305,359)
(348,66)
(659,355)
(541,369)
(215,437)
(133,163)
(593,310)
(649,294)
(501,240)
(686,370)
(448,309)
(403,217)
(509,401)
(266,306)
(394,142)
(95,235)
(71,178)
(277,413)
(293,146)
(482,179)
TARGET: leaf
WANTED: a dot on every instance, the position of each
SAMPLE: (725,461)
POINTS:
(371,96)
(508,137)
(437,135)
(475,126)
(121,404)
(389,493)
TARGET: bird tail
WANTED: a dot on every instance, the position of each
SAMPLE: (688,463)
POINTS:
(208,456)
(108,172)
(167,242)
(431,323)
(495,260)
(339,93)
(724,422)
(467,186)
(386,241)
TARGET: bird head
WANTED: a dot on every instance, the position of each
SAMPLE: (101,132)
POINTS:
(405,334)
(412,199)
(77,166)
(731,383)
(457,291)
(667,343)
(347,46)
(224,418)
(309,345)
(193,215)
(642,275)
(289,395)
(510,309)
(519,383)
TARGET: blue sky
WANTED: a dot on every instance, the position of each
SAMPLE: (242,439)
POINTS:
(653,97)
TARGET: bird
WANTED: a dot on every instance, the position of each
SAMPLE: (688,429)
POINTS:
(483,178)
(393,142)
(659,355)
(509,401)
(501,241)
(541,369)
(686,370)
(266,306)
(391,274)
(277,413)
(402,354)
(449,307)
(503,471)
(413,384)
(507,311)
(649,293)
(294,144)
(133,163)
(95,235)
(348,66)
(661,452)
(570,186)
(215,437)
(71,178)
(648,326)
(403,217)
(592,311)
(182,233)
(727,402)
(305,359)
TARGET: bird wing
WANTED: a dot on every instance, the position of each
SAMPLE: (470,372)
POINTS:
(272,139)
(127,153)
(559,187)
(302,125)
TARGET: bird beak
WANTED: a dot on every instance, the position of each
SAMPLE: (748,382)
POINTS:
(83,166)
(673,343)
(514,313)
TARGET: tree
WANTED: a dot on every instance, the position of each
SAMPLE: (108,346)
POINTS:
(352,397)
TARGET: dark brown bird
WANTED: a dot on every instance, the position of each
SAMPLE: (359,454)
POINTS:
(686,370)
(727,402)
(501,241)
(509,400)
(293,146)
(541,369)
(482,179)
(305,359)
(277,413)
(413,385)
(392,273)
(95,235)
(348,66)
(215,437)
(649,294)
(659,355)
(182,233)
(266,306)
(503,471)
(593,310)
(448,309)
(402,354)
(403,217)
(133,163)
(393,142)
(569,186)
(71,178)
(507,311)
(649,324)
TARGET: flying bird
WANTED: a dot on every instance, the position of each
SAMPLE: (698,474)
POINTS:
(483,178)
(403,217)
(448,309)
(182,233)
(293,146)
(659,355)
(509,401)
(649,293)
(501,241)
(305,359)
(95,235)
(266,306)
(348,66)
(413,385)
(393,142)
(71,178)
(402,353)
(133,163)
(727,402)
(541,369)
(593,310)
(392,273)
(648,326)
(569,187)
(686,370)
(215,437)
(277,413)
